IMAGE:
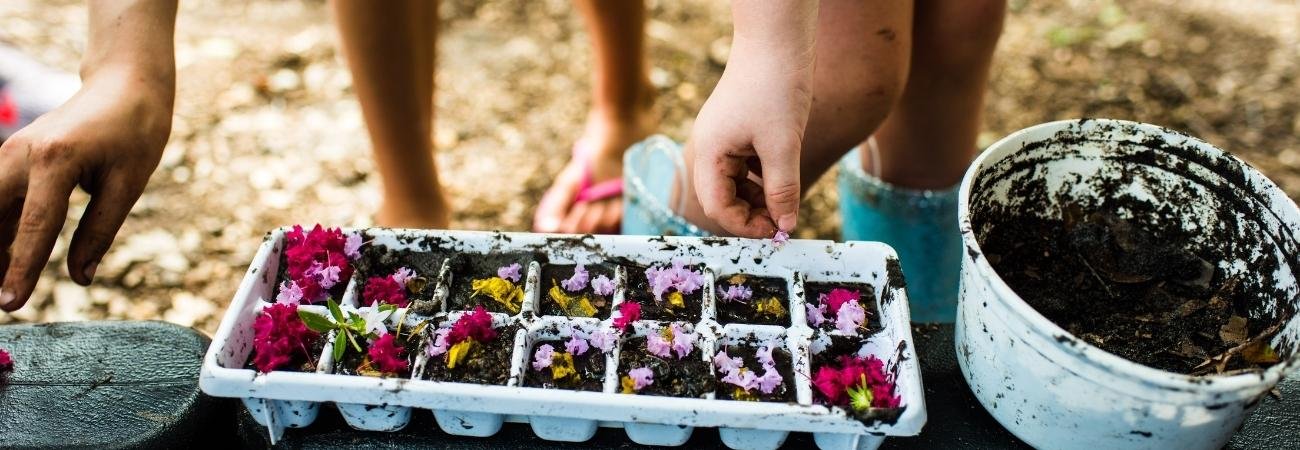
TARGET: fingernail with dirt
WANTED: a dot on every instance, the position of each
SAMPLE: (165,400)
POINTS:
(90,271)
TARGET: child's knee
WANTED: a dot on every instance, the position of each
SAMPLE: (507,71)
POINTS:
(959,33)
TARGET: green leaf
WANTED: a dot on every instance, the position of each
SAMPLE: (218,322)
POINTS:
(388,307)
(359,325)
(340,344)
(316,322)
(354,341)
(335,311)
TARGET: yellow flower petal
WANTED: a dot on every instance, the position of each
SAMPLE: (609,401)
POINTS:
(501,290)
(740,394)
(770,306)
(675,300)
(457,353)
(575,306)
(562,366)
(628,385)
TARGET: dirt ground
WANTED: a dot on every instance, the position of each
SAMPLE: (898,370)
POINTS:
(267,131)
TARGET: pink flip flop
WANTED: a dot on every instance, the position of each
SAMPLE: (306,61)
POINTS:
(589,190)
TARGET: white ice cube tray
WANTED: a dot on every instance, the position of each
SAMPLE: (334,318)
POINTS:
(285,399)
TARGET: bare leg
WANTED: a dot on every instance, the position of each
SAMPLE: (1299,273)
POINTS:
(621,114)
(390,49)
(862,64)
(929,139)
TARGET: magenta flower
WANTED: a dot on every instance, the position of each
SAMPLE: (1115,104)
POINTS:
(542,358)
(602,285)
(6,362)
(352,247)
(770,380)
(386,355)
(816,314)
(850,317)
(576,345)
(510,272)
(290,294)
(658,346)
(641,377)
(737,293)
(683,341)
(726,363)
(603,340)
(838,297)
(627,313)
(578,281)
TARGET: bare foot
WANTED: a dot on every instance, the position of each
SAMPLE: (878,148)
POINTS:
(431,212)
(600,149)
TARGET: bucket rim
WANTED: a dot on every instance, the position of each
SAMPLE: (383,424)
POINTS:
(1085,352)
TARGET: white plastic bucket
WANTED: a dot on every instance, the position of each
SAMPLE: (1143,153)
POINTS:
(1055,391)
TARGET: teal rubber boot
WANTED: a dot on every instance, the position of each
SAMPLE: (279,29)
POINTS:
(921,225)
(650,169)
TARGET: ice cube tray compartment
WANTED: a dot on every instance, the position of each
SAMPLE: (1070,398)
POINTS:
(282,400)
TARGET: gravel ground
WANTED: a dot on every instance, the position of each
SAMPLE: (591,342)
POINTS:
(267,131)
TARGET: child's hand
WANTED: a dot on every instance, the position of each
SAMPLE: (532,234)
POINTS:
(107,139)
(748,135)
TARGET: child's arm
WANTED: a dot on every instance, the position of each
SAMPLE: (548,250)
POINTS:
(755,118)
(107,139)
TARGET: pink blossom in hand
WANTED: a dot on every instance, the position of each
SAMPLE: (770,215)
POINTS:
(726,363)
(510,272)
(576,345)
(542,358)
(440,344)
(352,248)
(770,380)
(641,377)
(602,285)
(658,346)
(290,294)
(579,279)
(683,341)
(850,317)
(603,340)
(816,314)
(780,238)
(737,293)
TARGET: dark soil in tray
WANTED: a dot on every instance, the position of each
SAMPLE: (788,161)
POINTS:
(487,364)
(784,365)
(379,261)
(638,290)
(746,312)
(465,268)
(301,363)
(814,290)
(1131,290)
(840,346)
(353,360)
(590,367)
(553,274)
(686,377)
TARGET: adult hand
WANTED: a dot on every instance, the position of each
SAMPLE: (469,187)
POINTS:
(107,139)
(748,135)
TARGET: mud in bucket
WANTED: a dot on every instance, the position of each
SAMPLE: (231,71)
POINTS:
(1144,217)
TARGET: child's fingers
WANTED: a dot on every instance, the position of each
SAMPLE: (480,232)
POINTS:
(781,188)
(716,180)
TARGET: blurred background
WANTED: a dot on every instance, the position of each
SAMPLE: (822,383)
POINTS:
(267,131)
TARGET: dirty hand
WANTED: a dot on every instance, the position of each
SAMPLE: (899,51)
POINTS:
(748,136)
(107,139)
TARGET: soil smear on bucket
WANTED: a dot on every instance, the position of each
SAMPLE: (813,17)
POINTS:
(685,377)
(768,303)
(1134,291)
(588,371)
